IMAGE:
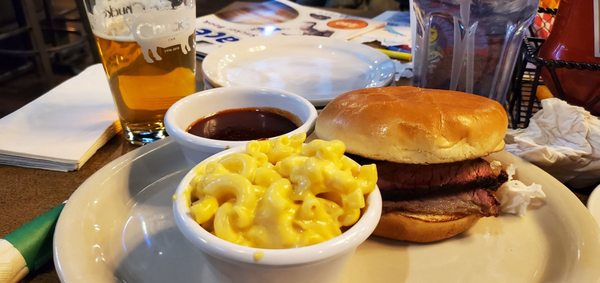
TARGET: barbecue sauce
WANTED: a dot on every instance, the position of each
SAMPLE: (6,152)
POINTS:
(245,124)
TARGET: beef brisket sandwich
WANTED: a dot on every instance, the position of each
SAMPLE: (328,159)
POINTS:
(428,147)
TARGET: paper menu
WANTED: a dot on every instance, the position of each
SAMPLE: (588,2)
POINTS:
(395,33)
(279,17)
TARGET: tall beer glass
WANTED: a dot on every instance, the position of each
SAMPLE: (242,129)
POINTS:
(148,52)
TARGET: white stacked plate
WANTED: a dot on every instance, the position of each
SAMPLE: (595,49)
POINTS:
(118,226)
(593,203)
(318,68)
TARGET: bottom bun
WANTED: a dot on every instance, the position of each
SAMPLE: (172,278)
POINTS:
(422,228)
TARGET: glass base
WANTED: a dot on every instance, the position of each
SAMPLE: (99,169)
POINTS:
(143,133)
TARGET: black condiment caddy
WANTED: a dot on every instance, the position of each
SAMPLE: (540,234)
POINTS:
(522,100)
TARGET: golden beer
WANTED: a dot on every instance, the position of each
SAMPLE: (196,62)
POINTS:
(143,90)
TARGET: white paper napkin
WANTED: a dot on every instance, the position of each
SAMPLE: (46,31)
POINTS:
(63,128)
(562,139)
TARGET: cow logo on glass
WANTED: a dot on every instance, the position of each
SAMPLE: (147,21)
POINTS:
(162,29)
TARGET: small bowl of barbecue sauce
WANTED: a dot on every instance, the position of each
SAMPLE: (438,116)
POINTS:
(213,120)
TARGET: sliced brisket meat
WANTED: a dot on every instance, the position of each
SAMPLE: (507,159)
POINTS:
(413,180)
(458,188)
(476,201)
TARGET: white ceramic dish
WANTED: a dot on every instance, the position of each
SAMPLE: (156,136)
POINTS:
(318,68)
(118,226)
(232,262)
(191,108)
(593,204)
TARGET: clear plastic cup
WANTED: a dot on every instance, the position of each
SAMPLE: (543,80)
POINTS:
(469,45)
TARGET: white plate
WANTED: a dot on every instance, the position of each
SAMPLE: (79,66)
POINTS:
(318,68)
(593,204)
(118,226)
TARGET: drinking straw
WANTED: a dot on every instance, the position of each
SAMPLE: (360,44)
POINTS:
(470,45)
(396,54)
(29,247)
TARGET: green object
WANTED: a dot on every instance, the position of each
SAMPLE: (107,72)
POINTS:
(34,239)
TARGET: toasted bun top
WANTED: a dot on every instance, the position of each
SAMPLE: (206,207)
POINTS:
(414,125)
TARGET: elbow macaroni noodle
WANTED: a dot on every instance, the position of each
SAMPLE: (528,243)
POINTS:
(281,193)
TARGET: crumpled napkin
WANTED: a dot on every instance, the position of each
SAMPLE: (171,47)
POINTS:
(64,127)
(563,140)
(515,197)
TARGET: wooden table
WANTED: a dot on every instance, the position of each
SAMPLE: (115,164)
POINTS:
(26,193)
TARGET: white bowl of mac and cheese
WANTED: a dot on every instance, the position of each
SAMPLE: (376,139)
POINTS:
(278,210)
(191,109)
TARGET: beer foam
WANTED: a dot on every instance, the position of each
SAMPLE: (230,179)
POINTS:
(121,38)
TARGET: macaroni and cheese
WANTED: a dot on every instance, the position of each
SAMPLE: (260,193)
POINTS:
(280,193)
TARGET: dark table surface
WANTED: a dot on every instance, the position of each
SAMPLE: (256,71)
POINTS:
(26,193)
